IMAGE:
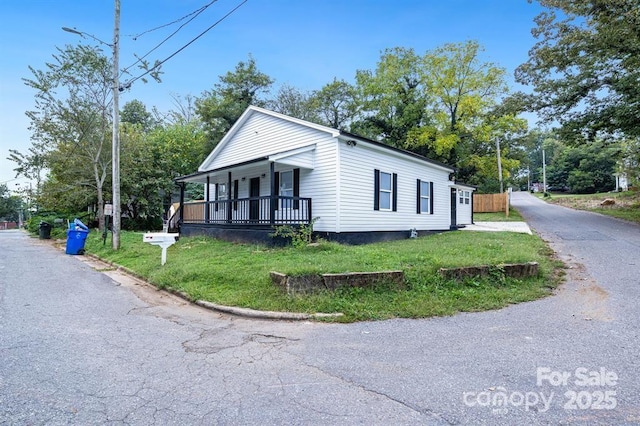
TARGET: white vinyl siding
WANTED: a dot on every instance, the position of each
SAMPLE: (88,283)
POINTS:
(357,164)
(263,135)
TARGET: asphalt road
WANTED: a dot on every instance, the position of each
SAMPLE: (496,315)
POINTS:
(80,345)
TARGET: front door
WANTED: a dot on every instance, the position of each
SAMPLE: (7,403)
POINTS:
(254,204)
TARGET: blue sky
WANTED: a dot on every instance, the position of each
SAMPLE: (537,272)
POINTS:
(304,43)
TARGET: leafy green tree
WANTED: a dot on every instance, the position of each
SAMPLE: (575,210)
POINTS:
(9,204)
(584,168)
(31,164)
(335,104)
(221,107)
(72,119)
(150,162)
(135,112)
(393,99)
(294,103)
(465,92)
(585,68)
(629,162)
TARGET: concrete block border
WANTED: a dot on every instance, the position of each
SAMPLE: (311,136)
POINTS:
(310,283)
(513,270)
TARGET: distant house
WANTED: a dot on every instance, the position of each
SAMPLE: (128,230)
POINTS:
(271,169)
(622,183)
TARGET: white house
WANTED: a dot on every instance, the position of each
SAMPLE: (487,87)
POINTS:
(271,169)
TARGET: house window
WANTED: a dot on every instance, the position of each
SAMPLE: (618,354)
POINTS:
(286,188)
(385,191)
(287,184)
(424,197)
(222,191)
(465,196)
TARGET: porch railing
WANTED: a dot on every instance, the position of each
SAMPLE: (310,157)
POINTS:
(250,211)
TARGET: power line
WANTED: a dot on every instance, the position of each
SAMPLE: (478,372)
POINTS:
(128,83)
(198,11)
(193,15)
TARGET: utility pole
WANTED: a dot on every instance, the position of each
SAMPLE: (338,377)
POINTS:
(115,146)
(499,164)
(544,173)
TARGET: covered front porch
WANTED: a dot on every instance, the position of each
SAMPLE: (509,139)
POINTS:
(253,195)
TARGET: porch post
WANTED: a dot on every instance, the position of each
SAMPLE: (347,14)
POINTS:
(206,201)
(274,200)
(181,216)
(229,212)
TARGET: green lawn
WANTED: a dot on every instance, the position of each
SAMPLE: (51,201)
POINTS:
(238,274)
(514,216)
(627,203)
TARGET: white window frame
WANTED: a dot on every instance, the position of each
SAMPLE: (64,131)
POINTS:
(285,191)
(464,196)
(386,191)
(423,197)
(222,191)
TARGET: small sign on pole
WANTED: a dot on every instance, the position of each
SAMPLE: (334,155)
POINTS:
(108,209)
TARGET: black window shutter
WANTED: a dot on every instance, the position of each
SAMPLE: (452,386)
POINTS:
(431,196)
(296,188)
(418,198)
(376,189)
(276,184)
(235,194)
(395,193)
(215,196)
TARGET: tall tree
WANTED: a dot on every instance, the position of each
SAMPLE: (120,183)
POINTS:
(393,98)
(465,92)
(9,204)
(150,162)
(292,102)
(135,112)
(221,107)
(31,164)
(585,68)
(335,104)
(72,118)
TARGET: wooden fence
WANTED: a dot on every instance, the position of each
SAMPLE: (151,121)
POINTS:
(490,203)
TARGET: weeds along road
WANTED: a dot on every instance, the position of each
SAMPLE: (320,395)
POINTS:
(78,347)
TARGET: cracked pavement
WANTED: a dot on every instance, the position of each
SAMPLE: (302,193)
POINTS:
(85,344)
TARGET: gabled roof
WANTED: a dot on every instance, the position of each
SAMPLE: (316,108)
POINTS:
(245,116)
(332,132)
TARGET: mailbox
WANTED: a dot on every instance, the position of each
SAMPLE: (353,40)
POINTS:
(162,239)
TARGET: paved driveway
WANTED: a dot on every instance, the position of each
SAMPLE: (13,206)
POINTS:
(78,348)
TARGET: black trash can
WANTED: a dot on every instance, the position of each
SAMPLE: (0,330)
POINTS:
(44,229)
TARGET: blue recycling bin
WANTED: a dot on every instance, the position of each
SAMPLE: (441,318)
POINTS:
(76,237)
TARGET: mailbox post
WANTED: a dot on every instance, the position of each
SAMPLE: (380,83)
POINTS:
(162,239)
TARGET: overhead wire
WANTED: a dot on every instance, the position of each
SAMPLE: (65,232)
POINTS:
(197,11)
(193,15)
(128,83)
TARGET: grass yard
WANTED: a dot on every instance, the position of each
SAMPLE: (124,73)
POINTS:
(238,274)
(514,216)
(627,203)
